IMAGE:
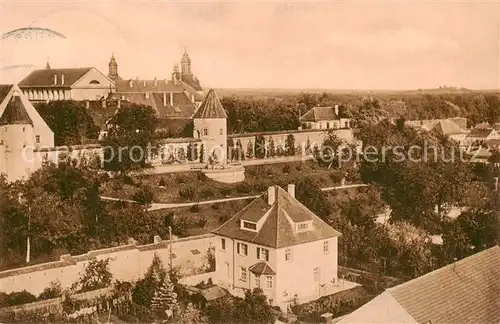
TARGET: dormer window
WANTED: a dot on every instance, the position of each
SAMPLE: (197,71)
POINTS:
(304,226)
(251,226)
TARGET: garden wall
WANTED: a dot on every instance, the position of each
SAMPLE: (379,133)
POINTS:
(127,262)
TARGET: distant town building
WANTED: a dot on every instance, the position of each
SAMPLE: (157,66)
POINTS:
(467,291)
(324,118)
(479,136)
(275,243)
(49,84)
(453,128)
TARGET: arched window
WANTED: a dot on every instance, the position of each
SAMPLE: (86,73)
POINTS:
(94,82)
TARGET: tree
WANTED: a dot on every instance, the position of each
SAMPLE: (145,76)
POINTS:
(254,308)
(307,149)
(272,148)
(202,153)
(290,145)
(313,198)
(192,315)
(131,138)
(165,298)
(144,195)
(95,276)
(69,120)
(145,288)
(192,152)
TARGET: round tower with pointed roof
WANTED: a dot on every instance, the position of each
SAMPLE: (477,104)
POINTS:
(113,68)
(210,126)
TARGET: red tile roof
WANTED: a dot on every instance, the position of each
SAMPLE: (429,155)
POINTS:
(262,268)
(211,107)
(278,230)
(152,86)
(192,81)
(15,113)
(320,113)
(45,77)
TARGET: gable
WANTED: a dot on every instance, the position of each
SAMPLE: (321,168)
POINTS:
(93,79)
(45,77)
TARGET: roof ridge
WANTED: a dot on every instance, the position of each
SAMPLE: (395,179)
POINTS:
(446,267)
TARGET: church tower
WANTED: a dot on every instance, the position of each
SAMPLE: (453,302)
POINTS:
(113,68)
(186,64)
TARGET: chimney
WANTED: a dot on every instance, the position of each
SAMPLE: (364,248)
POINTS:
(119,103)
(171,99)
(336,110)
(62,78)
(291,190)
(155,82)
(103,104)
(87,104)
(495,182)
(164,99)
(130,83)
(55,79)
(271,195)
(147,95)
(144,83)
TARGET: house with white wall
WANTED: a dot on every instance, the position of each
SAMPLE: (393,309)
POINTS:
(275,243)
(325,118)
(79,84)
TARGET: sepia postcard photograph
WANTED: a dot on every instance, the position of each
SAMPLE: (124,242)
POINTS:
(268,162)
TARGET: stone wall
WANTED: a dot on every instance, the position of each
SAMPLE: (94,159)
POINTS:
(127,262)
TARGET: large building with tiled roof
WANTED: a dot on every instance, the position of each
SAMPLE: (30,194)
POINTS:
(467,291)
(85,83)
(271,243)
(183,85)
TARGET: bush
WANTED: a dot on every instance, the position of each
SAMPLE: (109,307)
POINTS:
(168,220)
(226,191)
(195,208)
(202,221)
(223,218)
(286,168)
(144,195)
(54,290)
(162,182)
(216,206)
(128,180)
(187,192)
(243,188)
(207,193)
(20,297)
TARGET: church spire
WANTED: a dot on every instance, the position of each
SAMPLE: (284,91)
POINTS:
(113,68)
(186,63)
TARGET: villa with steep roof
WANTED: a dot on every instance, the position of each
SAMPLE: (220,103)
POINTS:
(275,243)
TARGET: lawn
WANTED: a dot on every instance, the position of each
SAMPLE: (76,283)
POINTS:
(194,186)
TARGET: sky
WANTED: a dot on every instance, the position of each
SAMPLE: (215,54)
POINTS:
(327,45)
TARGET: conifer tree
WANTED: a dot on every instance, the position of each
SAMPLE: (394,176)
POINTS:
(165,298)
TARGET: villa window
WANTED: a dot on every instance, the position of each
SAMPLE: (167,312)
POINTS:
(257,281)
(227,268)
(223,244)
(243,274)
(262,254)
(242,249)
(24,129)
(288,255)
(269,282)
(205,131)
(326,246)
(302,226)
(37,139)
